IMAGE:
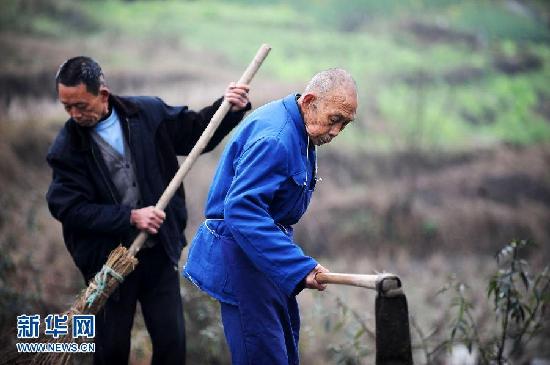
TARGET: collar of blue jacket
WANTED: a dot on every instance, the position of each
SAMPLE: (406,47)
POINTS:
(291,104)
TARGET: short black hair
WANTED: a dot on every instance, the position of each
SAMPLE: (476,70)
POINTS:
(79,70)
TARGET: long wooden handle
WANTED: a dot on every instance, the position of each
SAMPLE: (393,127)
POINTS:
(385,283)
(224,108)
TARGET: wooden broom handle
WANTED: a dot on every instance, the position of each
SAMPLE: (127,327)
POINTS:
(224,108)
(385,282)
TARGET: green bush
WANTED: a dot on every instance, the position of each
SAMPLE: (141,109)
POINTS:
(519,298)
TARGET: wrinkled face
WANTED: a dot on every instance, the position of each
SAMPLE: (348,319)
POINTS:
(84,107)
(326,116)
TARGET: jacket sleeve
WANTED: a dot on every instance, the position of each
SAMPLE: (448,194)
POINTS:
(186,126)
(70,200)
(259,172)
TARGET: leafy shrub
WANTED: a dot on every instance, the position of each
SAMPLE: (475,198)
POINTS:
(519,300)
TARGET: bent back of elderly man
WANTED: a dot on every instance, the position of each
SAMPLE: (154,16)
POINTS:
(244,253)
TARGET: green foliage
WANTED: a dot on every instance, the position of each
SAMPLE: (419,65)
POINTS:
(495,20)
(45,17)
(464,328)
(439,88)
(519,298)
(348,325)
(519,301)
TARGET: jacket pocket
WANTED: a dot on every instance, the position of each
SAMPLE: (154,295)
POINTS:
(205,266)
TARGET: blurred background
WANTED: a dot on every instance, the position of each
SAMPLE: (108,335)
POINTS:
(447,162)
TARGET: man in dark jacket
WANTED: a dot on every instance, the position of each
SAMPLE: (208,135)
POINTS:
(111,162)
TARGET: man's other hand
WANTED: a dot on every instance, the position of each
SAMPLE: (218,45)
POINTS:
(148,219)
(237,95)
(311,283)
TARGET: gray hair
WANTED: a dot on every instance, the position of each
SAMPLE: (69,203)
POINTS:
(331,79)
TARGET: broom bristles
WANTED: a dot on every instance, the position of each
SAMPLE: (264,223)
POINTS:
(100,288)
(118,261)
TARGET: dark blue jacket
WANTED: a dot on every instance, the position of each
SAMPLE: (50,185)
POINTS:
(263,186)
(83,197)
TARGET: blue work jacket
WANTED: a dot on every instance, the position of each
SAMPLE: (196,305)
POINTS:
(262,187)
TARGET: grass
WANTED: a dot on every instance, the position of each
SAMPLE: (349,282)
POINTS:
(377,41)
(498,21)
(381,52)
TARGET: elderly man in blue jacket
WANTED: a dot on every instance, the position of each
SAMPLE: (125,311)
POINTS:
(244,254)
(111,162)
